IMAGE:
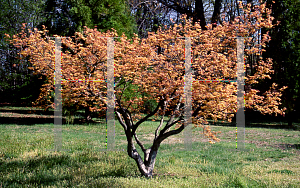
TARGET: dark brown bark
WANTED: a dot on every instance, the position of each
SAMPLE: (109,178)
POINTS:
(216,14)
(197,14)
(87,114)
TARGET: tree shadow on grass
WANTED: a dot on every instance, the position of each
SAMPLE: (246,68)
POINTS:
(255,119)
(40,168)
(289,146)
(37,112)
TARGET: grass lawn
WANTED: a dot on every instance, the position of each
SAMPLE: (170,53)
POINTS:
(27,158)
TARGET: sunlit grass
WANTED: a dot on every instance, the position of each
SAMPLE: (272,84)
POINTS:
(27,159)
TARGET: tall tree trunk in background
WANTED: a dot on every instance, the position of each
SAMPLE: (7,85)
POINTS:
(216,14)
(87,114)
(199,14)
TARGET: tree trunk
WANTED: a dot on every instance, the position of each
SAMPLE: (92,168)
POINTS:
(216,14)
(199,14)
(124,117)
(146,167)
(290,118)
(87,114)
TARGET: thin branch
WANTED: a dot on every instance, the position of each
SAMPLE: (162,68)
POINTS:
(163,136)
(126,116)
(116,83)
(121,121)
(174,112)
(171,124)
(170,133)
(131,101)
(139,143)
(119,100)
(162,119)
(177,7)
(195,113)
(146,117)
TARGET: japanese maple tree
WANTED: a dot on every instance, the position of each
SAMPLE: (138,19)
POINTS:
(154,70)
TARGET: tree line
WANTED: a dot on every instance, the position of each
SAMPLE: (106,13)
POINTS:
(65,17)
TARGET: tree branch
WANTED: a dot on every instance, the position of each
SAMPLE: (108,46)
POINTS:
(146,117)
(139,143)
(162,119)
(171,124)
(121,121)
(176,6)
(175,110)
(126,116)
(163,136)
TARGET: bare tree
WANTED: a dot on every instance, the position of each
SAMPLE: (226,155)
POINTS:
(149,15)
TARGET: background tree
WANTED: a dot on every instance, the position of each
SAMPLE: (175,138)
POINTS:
(160,74)
(65,17)
(17,83)
(149,15)
(203,11)
(284,48)
(62,17)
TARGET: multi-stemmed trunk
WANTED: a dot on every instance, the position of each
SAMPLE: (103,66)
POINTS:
(146,166)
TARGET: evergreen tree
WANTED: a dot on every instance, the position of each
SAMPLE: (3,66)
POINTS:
(65,17)
(17,83)
(284,48)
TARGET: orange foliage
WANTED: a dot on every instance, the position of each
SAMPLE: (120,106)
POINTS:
(160,75)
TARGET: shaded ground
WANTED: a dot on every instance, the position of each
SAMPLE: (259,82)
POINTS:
(32,116)
(23,117)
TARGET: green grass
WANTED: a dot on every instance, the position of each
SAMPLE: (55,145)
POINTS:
(27,158)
